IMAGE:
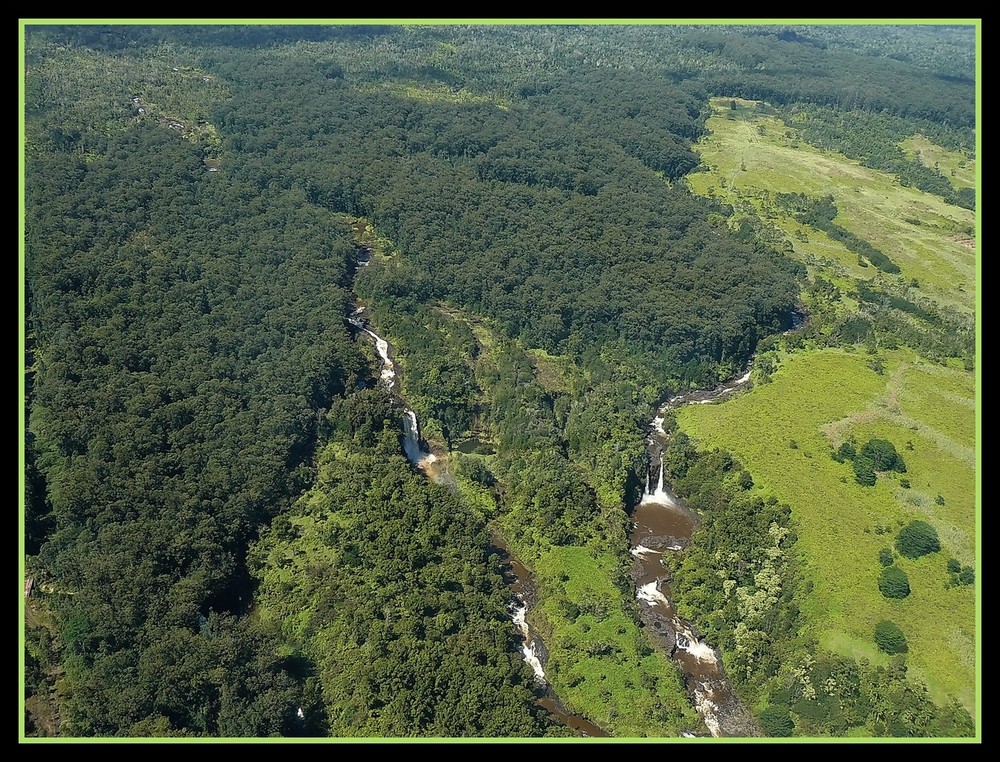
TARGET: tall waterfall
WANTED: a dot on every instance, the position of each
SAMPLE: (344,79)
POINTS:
(411,441)
(659,494)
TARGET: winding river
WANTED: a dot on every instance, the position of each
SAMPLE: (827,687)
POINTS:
(516,576)
(662,524)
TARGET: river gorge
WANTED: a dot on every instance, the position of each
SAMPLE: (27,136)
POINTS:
(660,524)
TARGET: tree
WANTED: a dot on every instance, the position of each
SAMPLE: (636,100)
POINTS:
(883,455)
(894,583)
(847,451)
(918,538)
(864,471)
(889,638)
(776,721)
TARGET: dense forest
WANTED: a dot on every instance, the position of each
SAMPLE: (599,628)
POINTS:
(222,531)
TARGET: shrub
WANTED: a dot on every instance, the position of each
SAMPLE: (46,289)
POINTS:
(885,557)
(894,583)
(847,451)
(776,721)
(954,566)
(864,471)
(889,638)
(883,455)
(967,576)
(918,538)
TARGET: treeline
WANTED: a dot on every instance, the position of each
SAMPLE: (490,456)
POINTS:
(874,140)
(820,213)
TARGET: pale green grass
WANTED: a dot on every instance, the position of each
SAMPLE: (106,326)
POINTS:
(960,170)
(819,398)
(929,239)
(600,662)
(434,92)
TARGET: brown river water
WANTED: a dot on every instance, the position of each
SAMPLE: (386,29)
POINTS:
(659,524)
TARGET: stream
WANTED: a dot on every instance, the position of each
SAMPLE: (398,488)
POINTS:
(661,524)
(515,575)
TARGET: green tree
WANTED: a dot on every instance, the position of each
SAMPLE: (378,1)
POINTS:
(883,455)
(864,471)
(776,721)
(889,638)
(847,451)
(894,583)
(918,538)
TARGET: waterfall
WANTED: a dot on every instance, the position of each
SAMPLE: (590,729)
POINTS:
(411,441)
(388,375)
(660,494)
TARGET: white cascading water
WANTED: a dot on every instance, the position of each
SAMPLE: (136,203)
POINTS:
(520,612)
(658,495)
(650,593)
(641,550)
(686,641)
(411,430)
(411,441)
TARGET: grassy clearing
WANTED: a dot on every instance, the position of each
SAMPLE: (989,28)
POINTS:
(960,170)
(434,92)
(752,155)
(600,662)
(817,399)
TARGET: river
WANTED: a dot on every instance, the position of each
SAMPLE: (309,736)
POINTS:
(516,576)
(661,524)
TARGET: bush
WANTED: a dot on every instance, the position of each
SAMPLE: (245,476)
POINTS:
(954,566)
(889,638)
(883,455)
(967,576)
(776,721)
(847,451)
(918,538)
(885,557)
(864,471)
(894,583)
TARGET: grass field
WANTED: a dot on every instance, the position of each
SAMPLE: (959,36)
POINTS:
(961,171)
(818,399)
(752,156)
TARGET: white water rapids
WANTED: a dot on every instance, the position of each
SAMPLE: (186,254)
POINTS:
(719,708)
(519,613)
(411,428)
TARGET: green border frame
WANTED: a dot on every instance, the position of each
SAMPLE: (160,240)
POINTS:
(25,22)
